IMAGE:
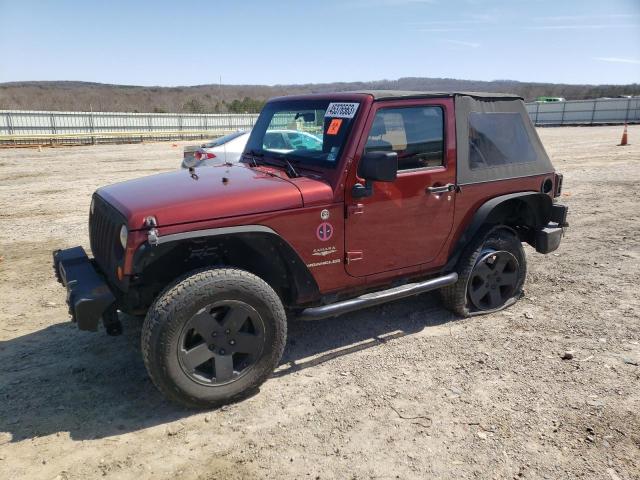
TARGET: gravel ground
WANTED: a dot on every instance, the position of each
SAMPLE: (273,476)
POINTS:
(400,391)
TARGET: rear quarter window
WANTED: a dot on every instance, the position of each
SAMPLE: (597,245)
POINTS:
(497,139)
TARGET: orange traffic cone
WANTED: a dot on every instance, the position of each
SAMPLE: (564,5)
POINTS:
(623,142)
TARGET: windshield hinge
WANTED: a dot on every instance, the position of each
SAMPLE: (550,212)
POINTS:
(354,256)
(152,237)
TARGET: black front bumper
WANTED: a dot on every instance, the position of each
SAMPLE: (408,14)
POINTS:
(88,294)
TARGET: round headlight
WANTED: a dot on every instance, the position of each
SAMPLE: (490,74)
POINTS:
(124,233)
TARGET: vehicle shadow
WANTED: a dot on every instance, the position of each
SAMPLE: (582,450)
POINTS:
(59,379)
(315,342)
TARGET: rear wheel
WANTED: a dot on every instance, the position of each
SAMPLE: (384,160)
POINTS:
(491,274)
(213,337)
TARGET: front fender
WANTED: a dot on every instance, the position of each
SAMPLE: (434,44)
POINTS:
(255,248)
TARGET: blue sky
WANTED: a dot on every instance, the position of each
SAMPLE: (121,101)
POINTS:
(273,42)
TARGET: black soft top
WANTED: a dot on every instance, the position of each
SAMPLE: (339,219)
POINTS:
(469,104)
(489,104)
(390,94)
(399,94)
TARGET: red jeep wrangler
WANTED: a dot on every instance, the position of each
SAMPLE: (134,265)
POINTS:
(385,195)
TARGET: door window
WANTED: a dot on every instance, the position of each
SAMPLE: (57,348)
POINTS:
(416,134)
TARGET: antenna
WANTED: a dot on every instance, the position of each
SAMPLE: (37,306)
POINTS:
(224,147)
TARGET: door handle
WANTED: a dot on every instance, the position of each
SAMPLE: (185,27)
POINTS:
(449,187)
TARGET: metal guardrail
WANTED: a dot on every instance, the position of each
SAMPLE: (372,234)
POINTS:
(586,112)
(48,127)
(41,127)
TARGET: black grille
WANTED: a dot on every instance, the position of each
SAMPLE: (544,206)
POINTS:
(104,232)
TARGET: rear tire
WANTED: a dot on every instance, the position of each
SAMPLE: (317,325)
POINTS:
(477,274)
(213,337)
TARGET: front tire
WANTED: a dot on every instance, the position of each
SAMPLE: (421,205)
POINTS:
(213,337)
(491,274)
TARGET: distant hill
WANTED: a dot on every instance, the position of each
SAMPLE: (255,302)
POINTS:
(85,96)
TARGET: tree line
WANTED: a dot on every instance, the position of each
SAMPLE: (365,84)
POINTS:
(195,105)
(84,96)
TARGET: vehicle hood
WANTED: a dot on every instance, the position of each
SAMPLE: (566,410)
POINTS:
(211,193)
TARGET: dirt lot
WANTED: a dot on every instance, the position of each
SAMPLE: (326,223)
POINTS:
(401,391)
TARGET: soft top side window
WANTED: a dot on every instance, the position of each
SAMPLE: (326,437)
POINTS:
(497,139)
(416,134)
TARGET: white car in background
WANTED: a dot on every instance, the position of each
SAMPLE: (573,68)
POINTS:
(285,141)
(226,149)
(229,148)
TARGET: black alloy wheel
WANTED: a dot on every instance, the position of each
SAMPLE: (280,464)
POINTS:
(491,273)
(213,337)
(494,279)
(221,342)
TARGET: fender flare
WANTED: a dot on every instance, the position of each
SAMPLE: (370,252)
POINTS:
(539,204)
(212,232)
(304,286)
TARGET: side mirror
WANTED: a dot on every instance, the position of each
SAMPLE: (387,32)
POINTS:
(375,167)
(379,166)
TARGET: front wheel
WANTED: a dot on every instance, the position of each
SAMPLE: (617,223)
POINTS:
(213,337)
(491,274)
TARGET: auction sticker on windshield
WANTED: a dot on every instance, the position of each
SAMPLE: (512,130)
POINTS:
(341,110)
(334,126)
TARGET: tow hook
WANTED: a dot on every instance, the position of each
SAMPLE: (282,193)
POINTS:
(111,322)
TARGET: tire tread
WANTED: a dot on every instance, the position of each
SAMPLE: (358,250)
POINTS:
(173,298)
(454,297)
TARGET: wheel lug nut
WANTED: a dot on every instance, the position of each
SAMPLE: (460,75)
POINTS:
(227,331)
(232,342)
(222,352)
(214,334)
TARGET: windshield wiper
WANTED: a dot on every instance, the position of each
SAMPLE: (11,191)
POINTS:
(255,155)
(291,171)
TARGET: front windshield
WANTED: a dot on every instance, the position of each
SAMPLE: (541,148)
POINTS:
(303,131)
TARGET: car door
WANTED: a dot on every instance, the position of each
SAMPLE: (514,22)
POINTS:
(406,222)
